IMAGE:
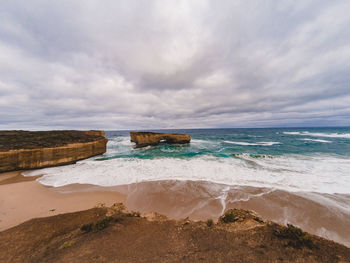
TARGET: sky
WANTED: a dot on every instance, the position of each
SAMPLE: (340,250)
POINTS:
(143,64)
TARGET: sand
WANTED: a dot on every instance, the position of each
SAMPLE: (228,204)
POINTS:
(320,214)
(22,198)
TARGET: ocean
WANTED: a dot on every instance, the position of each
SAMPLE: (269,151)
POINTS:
(289,175)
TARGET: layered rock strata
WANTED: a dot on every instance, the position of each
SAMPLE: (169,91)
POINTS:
(30,150)
(143,139)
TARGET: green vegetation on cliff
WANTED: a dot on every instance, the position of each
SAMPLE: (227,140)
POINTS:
(15,140)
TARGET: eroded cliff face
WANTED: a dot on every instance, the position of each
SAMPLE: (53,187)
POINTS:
(39,157)
(143,139)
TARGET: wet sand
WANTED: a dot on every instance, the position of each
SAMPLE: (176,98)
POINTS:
(321,214)
(22,198)
(15,177)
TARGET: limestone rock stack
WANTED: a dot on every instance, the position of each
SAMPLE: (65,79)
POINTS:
(143,139)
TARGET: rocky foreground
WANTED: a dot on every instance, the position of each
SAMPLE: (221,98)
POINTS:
(30,150)
(117,235)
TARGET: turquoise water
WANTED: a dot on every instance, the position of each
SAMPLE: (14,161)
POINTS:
(230,143)
(293,159)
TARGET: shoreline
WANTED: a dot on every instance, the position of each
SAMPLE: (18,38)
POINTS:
(23,198)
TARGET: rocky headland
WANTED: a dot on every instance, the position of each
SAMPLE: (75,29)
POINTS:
(143,139)
(114,234)
(30,150)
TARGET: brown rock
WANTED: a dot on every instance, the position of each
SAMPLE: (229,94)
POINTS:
(31,150)
(96,235)
(143,139)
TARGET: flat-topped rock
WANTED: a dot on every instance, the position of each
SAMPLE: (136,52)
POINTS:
(143,139)
(30,150)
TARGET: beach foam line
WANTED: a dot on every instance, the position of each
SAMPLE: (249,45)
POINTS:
(324,174)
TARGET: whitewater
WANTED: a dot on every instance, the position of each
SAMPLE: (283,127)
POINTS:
(274,158)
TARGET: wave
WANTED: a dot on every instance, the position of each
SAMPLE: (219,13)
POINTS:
(119,141)
(319,134)
(291,133)
(200,141)
(253,144)
(203,143)
(316,140)
(269,143)
(240,143)
(324,174)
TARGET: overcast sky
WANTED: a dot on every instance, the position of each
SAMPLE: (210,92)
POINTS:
(174,64)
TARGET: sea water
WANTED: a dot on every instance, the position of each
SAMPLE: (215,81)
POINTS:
(300,172)
(299,159)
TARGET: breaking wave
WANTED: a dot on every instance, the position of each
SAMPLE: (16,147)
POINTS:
(324,174)
(316,140)
(255,144)
(320,134)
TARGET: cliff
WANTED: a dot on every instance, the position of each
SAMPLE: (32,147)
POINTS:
(29,150)
(95,133)
(143,139)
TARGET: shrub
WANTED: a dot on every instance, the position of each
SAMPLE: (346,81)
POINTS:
(210,222)
(87,227)
(228,217)
(99,225)
(297,238)
(239,215)
(102,223)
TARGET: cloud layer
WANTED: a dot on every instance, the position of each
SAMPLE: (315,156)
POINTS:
(164,64)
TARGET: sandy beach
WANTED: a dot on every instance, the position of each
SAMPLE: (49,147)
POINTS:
(22,198)
(98,231)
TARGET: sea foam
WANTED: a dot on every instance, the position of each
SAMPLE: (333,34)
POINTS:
(316,140)
(324,174)
(320,134)
(252,144)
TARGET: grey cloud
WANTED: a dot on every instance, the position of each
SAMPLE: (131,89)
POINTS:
(164,64)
